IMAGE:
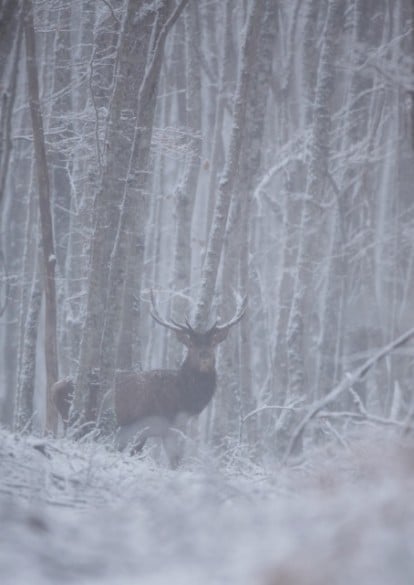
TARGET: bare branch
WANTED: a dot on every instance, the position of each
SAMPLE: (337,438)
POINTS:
(359,416)
(344,385)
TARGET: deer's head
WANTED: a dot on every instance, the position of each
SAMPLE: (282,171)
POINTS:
(201,345)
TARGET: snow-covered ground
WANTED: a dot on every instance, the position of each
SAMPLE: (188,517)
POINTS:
(79,513)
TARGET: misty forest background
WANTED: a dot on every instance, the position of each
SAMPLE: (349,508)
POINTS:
(208,150)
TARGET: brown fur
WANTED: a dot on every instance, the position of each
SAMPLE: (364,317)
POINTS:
(62,395)
(164,393)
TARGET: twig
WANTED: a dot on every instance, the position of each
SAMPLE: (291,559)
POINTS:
(114,16)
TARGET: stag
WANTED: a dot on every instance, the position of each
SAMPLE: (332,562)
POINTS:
(160,402)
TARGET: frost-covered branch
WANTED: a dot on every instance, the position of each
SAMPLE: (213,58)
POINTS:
(346,384)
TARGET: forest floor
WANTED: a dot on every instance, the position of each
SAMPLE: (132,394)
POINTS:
(80,513)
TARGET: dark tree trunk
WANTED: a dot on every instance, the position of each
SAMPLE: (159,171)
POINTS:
(49,259)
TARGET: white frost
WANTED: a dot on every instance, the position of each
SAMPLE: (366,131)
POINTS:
(79,513)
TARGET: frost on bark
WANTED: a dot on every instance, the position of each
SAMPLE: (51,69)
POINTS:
(356,203)
(61,127)
(134,214)
(11,35)
(10,46)
(129,349)
(61,131)
(49,259)
(23,410)
(316,177)
(83,175)
(236,271)
(249,172)
(134,40)
(9,23)
(222,100)
(412,92)
(228,179)
(120,204)
(310,54)
(334,295)
(186,191)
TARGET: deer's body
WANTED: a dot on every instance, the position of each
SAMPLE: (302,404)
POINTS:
(158,403)
(164,393)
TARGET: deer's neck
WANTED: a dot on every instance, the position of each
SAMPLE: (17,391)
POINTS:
(197,388)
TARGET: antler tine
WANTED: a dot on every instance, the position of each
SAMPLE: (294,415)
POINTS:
(188,324)
(173,325)
(213,327)
(239,314)
(180,325)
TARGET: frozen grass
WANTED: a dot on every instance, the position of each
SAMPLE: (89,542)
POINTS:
(81,513)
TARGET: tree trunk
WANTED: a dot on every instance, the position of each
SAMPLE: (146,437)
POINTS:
(227,182)
(123,209)
(49,259)
(23,411)
(186,191)
(317,172)
(238,244)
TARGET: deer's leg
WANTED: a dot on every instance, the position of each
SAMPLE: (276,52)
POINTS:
(174,441)
(173,448)
(135,434)
(132,436)
(138,446)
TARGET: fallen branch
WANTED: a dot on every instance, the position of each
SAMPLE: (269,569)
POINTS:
(261,409)
(344,385)
(359,416)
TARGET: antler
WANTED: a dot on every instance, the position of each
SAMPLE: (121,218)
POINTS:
(187,328)
(239,314)
(172,324)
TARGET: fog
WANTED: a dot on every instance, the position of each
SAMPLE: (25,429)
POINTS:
(222,192)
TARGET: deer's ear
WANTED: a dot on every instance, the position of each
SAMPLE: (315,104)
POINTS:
(219,335)
(183,338)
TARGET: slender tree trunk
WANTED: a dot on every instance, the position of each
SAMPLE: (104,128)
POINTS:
(11,30)
(238,242)
(186,191)
(310,55)
(317,170)
(23,411)
(227,182)
(217,140)
(49,259)
(84,173)
(12,210)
